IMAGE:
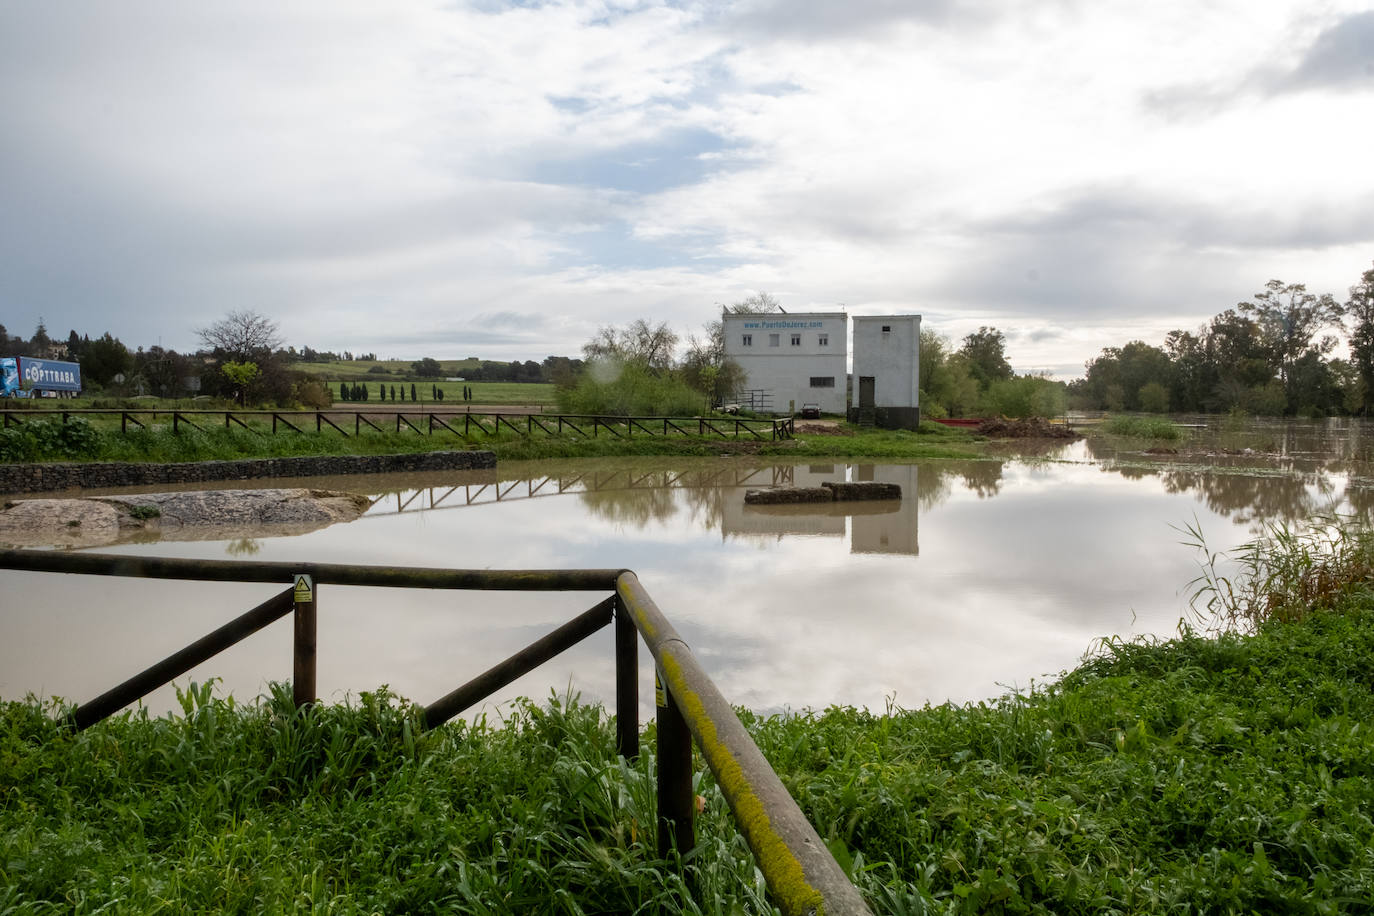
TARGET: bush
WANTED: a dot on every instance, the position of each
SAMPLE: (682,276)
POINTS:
(1142,428)
(49,440)
(1025,396)
(629,390)
(311,393)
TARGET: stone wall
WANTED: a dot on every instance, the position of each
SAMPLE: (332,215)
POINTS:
(35,478)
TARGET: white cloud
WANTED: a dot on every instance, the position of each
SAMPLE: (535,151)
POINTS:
(1067,172)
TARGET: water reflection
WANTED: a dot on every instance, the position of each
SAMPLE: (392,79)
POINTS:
(985,574)
(1261,473)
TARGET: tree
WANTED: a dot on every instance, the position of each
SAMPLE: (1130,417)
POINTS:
(41,342)
(1289,319)
(638,343)
(412,392)
(241,336)
(105,358)
(241,376)
(1153,398)
(947,386)
(164,371)
(985,350)
(1360,307)
(427,368)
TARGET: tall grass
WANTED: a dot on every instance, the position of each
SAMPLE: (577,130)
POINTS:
(1143,427)
(341,809)
(1200,775)
(1283,575)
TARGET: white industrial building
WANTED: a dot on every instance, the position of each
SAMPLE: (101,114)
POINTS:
(790,360)
(887,370)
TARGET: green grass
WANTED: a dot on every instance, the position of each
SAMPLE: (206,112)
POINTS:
(1230,773)
(1142,428)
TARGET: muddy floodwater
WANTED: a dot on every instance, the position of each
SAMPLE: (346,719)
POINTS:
(988,575)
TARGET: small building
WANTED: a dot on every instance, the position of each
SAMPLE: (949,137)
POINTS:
(790,360)
(887,369)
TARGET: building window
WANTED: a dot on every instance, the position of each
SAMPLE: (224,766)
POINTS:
(887,329)
(823,340)
(822,381)
(796,340)
(773,340)
(747,340)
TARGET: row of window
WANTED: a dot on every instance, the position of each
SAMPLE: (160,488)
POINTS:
(775,340)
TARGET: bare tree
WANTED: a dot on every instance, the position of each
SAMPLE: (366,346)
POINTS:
(758,304)
(639,342)
(242,336)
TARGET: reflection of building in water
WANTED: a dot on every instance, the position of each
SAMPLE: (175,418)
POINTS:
(893,532)
(885,526)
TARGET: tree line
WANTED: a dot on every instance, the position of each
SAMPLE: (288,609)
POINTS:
(243,358)
(1272,355)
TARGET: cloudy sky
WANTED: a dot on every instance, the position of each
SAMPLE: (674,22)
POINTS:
(497,179)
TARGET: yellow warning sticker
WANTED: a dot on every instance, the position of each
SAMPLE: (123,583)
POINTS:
(305,590)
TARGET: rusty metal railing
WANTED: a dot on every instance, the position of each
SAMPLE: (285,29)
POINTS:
(801,874)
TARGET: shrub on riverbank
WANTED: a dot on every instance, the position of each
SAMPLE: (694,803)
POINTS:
(1142,427)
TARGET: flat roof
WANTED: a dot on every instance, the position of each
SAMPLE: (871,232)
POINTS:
(770,316)
(884,317)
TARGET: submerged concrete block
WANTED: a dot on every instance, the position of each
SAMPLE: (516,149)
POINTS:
(846,492)
(780,496)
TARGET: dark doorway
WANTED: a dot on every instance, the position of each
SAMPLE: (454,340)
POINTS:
(865,392)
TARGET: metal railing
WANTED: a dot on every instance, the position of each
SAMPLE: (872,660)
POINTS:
(800,871)
(463,423)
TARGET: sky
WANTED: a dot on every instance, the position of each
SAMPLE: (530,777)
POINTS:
(499,179)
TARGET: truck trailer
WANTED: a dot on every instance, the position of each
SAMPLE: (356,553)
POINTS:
(27,377)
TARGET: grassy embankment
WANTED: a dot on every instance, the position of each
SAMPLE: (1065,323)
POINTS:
(82,440)
(1224,774)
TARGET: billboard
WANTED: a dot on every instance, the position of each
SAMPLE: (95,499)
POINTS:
(49,374)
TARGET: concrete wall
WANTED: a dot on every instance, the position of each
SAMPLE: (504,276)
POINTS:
(35,478)
(893,359)
(763,347)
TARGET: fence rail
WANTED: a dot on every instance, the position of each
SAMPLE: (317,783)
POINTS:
(801,874)
(465,424)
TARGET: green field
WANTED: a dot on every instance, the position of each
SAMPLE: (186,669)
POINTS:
(532,394)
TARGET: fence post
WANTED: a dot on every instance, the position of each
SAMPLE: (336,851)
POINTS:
(676,806)
(626,683)
(303,645)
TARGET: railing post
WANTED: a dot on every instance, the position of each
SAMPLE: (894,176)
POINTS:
(676,806)
(626,683)
(303,645)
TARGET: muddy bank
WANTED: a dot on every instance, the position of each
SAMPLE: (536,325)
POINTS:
(189,516)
